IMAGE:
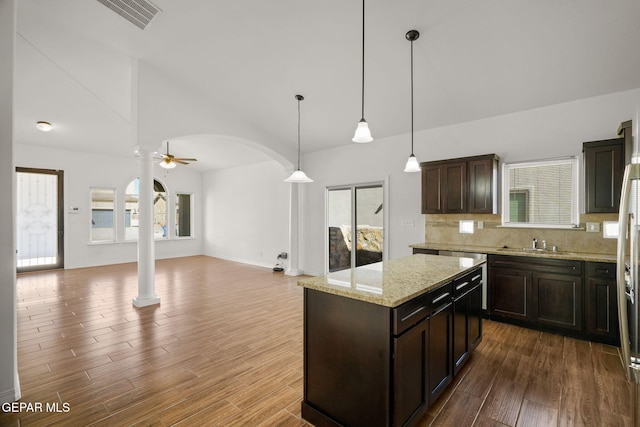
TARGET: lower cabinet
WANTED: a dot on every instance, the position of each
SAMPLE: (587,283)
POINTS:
(602,304)
(370,365)
(509,291)
(573,297)
(410,367)
(557,300)
(439,351)
(467,319)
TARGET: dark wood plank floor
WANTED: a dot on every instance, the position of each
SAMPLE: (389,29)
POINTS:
(225,348)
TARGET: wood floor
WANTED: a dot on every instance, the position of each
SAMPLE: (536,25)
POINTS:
(225,348)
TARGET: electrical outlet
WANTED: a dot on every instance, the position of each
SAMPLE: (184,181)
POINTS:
(593,227)
(480,225)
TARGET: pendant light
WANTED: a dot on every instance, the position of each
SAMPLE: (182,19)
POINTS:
(299,176)
(363,134)
(412,162)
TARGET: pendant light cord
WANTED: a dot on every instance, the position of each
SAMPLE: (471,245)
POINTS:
(363,59)
(412,97)
(299,99)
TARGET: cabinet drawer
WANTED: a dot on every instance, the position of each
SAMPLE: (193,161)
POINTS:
(467,282)
(531,263)
(412,312)
(605,270)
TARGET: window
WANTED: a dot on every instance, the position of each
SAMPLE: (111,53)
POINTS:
(541,194)
(103,228)
(183,215)
(131,201)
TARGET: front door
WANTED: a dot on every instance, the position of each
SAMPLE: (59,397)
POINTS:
(39,219)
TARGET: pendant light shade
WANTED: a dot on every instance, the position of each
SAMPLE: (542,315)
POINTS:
(412,162)
(363,134)
(299,176)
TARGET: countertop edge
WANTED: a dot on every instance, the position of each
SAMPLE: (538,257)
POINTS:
(574,256)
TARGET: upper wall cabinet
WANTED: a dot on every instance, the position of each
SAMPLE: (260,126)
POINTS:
(463,185)
(603,169)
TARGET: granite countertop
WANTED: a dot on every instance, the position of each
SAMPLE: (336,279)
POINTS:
(391,283)
(576,256)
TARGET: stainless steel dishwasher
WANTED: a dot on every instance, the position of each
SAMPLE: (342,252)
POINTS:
(484,269)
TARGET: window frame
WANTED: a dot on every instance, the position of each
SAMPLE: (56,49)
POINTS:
(191,215)
(113,211)
(575,190)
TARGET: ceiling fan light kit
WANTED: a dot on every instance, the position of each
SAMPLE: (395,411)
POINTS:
(169,161)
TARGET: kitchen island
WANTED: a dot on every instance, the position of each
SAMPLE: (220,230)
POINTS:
(384,340)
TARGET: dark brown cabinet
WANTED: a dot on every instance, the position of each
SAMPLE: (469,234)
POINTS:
(439,352)
(460,185)
(557,300)
(467,318)
(410,374)
(372,365)
(602,306)
(509,291)
(603,170)
(542,291)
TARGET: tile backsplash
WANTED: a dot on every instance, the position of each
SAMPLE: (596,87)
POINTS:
(445,229)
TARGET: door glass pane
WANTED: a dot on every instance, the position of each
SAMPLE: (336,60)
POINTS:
(183,215)
(102,215)
(37,219)
(370,220)
(339,221)
(346,207)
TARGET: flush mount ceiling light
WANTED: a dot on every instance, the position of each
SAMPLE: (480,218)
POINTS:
(363,134)
(44,126)
(412,162)
(299,176)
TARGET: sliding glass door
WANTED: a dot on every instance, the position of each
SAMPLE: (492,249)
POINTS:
(39,219)
(355,221)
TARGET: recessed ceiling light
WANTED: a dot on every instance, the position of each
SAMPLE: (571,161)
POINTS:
(44,126)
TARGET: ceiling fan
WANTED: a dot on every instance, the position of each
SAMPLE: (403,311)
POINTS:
(169,161)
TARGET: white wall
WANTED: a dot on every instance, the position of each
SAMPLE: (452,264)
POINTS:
(9,384)
(553,131)
(83,171)
(247,213)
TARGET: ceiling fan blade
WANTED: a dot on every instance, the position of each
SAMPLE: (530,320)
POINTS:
(186,159)
(180,161)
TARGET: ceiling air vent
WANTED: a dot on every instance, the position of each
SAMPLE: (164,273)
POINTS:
(139,12)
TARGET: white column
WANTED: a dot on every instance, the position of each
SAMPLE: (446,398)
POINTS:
(146,243)
(9,382)
(293,268)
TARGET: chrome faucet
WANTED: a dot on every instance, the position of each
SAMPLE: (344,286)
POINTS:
(535,243)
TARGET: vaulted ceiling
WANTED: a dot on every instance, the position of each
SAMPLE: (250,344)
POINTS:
(247,59)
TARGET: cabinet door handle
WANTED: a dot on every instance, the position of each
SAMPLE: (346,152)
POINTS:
(476,277)
(602,270)
(462,285)
(441,309)
(413,313)
(440,298)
